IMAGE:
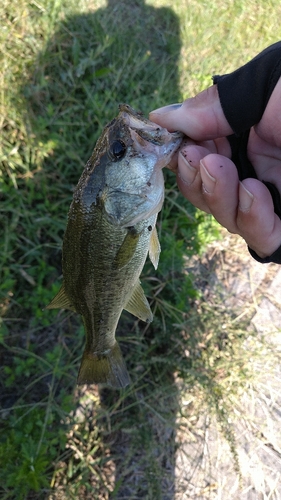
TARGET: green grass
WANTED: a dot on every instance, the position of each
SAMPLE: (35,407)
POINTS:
(65,67)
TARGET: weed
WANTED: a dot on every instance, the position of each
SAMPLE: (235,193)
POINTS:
(65,68)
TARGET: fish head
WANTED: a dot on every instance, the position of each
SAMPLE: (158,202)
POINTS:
(124,175)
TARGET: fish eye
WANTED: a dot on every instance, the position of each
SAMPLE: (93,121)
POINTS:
(117,149)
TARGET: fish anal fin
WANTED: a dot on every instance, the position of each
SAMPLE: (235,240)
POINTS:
(61,301)
(127,249)
(154,248)
(107,368)
(138,304)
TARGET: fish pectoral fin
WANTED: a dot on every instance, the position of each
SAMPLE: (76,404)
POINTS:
(61,301)
(154,248)
(127,249)
(138,304)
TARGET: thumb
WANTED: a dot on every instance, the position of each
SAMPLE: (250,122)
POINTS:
(200,118)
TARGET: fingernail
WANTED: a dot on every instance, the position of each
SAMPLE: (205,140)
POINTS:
(186,172)
(208,181)
(167,109)
(245,198)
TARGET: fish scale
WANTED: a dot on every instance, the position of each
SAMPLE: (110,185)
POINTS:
(110,230)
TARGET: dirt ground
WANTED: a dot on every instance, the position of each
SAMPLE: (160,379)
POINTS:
(205,468)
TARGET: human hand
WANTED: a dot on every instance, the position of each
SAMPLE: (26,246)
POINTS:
(208,178)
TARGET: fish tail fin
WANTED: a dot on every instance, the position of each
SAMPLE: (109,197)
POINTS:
(106,368)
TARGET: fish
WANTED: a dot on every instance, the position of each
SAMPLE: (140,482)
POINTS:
(111,228)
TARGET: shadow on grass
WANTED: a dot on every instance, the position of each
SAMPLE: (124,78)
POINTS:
(125,52)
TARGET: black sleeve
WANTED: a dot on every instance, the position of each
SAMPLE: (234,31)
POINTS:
(244,95)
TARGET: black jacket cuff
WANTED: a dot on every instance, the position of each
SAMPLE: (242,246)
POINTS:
(245,93)
(275,257)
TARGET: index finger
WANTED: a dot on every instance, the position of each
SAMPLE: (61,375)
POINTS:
(200,118)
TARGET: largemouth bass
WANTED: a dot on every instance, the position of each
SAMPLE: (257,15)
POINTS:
(110,230)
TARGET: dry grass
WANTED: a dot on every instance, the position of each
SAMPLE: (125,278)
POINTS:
(204,464)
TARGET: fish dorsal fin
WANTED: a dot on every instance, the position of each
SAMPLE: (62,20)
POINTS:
(138,304)
(127,249)
(61,301)
(154,248)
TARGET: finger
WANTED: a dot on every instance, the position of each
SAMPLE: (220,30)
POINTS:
(188,175)
(189,178)
(211,183)
(220,188)
(266,158)
(200,117)
(256,219)
(173,164)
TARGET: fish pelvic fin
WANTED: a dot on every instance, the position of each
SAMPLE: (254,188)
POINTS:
(107,368)
(61,301)
(154,248)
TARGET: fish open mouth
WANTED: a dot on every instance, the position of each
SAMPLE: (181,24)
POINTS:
(147,130)
(151,137)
